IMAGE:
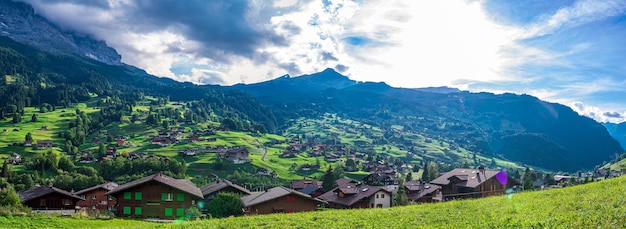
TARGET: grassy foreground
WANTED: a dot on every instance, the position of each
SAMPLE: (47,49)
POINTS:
(595,205)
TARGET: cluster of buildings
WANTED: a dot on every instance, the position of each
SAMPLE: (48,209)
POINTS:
(164,197)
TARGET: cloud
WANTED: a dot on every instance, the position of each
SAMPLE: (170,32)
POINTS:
(613,114)
(597,113)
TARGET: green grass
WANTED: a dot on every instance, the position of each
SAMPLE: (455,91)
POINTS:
(594,205)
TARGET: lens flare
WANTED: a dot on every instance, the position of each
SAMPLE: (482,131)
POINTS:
(502,177)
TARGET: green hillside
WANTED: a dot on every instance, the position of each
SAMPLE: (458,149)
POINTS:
(594,205)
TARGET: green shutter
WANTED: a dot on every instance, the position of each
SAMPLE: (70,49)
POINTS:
(137,195)
(180,196)
(180,212)
(163,196)
(127,195)
(168,212)
(126,210)
(138,210)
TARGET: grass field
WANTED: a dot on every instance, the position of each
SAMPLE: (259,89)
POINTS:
(593,205)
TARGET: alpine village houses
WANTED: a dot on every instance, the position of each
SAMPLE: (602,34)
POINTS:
(163,197)
(155,196)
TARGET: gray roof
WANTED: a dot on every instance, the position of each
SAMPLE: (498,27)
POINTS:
(352,194)
(272,194)
(418,189)
(45,190)
(182,185)
(106,186)
(468,177)
(219,185)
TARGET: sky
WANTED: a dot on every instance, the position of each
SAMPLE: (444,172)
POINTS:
(571,52)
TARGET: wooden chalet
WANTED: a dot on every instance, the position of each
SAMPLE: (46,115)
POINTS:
(210,190)
(298,185)
(96,197)
(43,144)
(421,192)
(472,183)
(155,196)
(350,194)
(379,178)
(49,198)
(279,200)
(238,155)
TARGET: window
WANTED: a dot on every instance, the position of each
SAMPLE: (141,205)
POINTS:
(138,210)
(83,196)
(126,210)
(110,198)
(42,202)
(180,212)
(180,196)
(382,195)
(93,197)
(168,212)
(67,201)
(138,195)
(127,195)
(291,199)
(103,202)
(376,196)
(166,196)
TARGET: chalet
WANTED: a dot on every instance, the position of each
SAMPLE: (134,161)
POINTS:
(16,159)
(237,155)
(350,194)
(212,139)
(421,192)
(49,198)
(471,183)
(162,141)
(43,128)
(312,191)
(95,197)
(120,142)
(87,159)
(220,185)
(194,138)
(298,185)
(43,144)
(28,143)
(379,179)
(189,152)
(562,179)
(155,196)
(279,200)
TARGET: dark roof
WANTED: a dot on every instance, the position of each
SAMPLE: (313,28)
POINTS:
(468,177)
(356,193)
(300,184)
(182,185)
(219,185)
(272,194)
(107,186)
(342,182)
(45,190)
(309,189)
(418,189)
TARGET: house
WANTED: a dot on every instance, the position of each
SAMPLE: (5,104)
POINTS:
(28,143)
(120,142)
(562,179)
(220,185)
(298,185)
(350,194)
(468,183)
(279,200)
(237,155)
(155,196)
(49,198)
(312,191)
(421,192)
(95,197)
(43,144)
(379,179)
(194,138)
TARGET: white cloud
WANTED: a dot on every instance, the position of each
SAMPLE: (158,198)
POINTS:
(598,114)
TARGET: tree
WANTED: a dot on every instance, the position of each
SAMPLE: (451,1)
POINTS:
(409,176)
(5,169)
(527,179)
(9,197)
(401,198)
(28,137)
(328,180)
(66,164)
(33,118)
(225,204)
(17,118)
(425,175)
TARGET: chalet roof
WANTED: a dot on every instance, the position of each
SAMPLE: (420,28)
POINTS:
(219,185)
(106,186)
(272,194)
(309,189)
(300,184)
(342,182)
(182,185)
(418,189)
(357,193)
(470,178)
(45,190)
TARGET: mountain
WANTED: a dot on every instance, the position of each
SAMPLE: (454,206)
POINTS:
(19,22)
(509,126)
(618,131)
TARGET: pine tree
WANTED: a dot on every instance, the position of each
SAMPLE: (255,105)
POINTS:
(5,169)
(33,118)
(425,175)
(401,198)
